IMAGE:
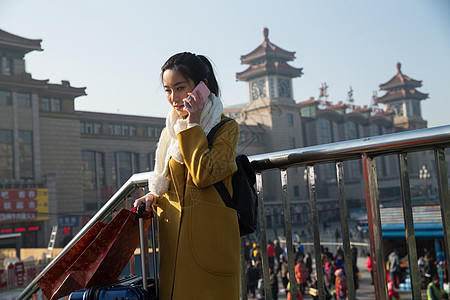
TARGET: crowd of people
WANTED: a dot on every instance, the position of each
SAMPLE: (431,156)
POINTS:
(335,275)
(333,265)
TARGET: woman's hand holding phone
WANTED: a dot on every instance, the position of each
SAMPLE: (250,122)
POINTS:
(195,102)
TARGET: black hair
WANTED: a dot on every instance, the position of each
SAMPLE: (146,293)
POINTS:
(196,67)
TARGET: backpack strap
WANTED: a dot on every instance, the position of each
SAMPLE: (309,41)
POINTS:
(213,131)
(220,187)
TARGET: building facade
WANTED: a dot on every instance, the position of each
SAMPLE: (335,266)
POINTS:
(58,165)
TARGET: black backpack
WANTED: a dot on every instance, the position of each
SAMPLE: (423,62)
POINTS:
(245,200)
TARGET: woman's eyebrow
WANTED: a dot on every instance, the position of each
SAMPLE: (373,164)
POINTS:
(178,83)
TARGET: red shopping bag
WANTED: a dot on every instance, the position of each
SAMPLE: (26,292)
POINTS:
(96,261)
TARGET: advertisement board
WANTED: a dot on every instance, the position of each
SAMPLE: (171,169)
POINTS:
(23,205)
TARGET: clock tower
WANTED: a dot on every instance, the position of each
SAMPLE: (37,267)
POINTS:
(269,76)
(403,99)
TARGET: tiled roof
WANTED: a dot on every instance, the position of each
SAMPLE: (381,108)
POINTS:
(11,41)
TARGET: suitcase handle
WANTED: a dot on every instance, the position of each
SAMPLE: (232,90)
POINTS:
(144,248)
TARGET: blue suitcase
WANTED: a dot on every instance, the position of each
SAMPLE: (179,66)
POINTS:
(129,288)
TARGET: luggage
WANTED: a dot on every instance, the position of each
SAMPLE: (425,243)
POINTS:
(133,287)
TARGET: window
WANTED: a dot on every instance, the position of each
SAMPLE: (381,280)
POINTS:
(93,170)
(45,104)
(6,154)
(296,191)
(290,119)
(126,165)
(56,105)
(151,161)
(8,66)
(91,128)
(414,108)
(23,100)
(5,98)
(376,129)
(26,154)
(325,134)
(292,142)
(352,131)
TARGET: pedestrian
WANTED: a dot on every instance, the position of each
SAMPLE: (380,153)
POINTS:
(273,284)
(354,253)
(341,284)
(271,254)
(337,235)
(278,250)
(308,264)
(394,267)
(369,267)
(288,292)
(247,247)
(283,268)
(301,274)
(260,292)
(393,295)
(314,289)
(203,251)
(252,278)
(434,289)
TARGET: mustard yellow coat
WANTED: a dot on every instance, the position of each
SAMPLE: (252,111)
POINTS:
(198,235)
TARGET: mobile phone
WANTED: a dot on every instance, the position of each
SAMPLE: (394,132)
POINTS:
(201,89)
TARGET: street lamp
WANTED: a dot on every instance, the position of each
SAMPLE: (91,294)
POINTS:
(424,174)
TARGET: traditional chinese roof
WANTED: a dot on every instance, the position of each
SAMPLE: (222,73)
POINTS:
(400,80)
(66,89)
(17,43)
(310,102)
(26,82)
(401,94)
(266,59)
(401,87)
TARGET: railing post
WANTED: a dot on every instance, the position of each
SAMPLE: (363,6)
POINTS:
(409,226)
(288,228)
(374,221)
(444,198)
(244,292)
(345,232)
(262,231)
(316,233)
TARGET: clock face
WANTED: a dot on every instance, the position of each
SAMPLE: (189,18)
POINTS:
(284,88)
(258,89)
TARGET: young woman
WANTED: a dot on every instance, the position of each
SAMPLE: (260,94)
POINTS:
(198,235)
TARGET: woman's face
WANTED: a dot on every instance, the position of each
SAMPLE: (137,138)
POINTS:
(177,86)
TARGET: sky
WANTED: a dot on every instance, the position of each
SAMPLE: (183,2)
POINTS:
(116,48)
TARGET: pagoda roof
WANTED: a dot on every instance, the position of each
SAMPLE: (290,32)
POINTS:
(402,94)
(268,59)
(66,89)
(269,68)
(15,42)
(26,82)
(400,80)
(267,49)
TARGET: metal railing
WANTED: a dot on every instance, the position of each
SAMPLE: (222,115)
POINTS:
(135,182)
(366,150)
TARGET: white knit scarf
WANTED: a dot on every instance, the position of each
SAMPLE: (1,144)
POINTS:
(168,145)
